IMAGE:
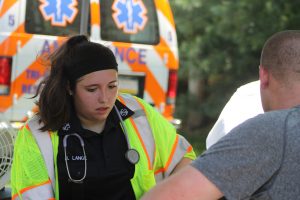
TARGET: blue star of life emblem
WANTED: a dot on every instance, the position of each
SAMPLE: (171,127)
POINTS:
(130,15)
(59,11)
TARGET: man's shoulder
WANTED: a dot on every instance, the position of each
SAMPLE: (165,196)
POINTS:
(261,127)
(282,114)
(269,124)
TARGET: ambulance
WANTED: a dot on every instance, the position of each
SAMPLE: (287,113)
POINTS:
(141,33)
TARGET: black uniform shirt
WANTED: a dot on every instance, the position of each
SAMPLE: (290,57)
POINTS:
(108,171)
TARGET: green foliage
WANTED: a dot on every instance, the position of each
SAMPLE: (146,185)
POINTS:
(197,139)
(221,40)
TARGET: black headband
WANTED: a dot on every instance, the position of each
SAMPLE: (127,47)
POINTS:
(88,57)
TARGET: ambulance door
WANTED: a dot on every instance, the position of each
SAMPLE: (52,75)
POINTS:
(44,25)
(10,26)
(130,28)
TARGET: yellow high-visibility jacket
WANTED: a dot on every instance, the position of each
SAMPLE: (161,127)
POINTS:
(34,169)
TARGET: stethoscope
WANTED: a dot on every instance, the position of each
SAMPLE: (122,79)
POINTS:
(132,155)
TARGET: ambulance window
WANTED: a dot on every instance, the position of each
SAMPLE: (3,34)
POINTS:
(133,21)
(58,18)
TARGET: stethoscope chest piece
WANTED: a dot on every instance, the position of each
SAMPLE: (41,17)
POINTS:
(132,156)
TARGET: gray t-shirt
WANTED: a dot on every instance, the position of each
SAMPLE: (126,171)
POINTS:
(259,159)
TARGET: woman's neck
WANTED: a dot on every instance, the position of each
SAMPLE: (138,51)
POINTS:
(96,127)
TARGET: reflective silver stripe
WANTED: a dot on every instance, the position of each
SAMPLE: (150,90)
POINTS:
(181,149)
(142,125)
(138,113)
(43,140)
(145,131)
(37,193)
(159,177)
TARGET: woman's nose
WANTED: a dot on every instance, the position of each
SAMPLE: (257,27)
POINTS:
(102,96)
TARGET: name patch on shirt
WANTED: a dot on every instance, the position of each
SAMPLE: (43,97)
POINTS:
(77,158)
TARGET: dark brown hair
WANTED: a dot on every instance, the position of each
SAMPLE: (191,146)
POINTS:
(74,59)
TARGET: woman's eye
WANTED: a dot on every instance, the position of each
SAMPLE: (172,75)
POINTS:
(91,89)
(112,86)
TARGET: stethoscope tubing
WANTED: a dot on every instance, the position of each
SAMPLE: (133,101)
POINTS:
(66,158)
(132,155)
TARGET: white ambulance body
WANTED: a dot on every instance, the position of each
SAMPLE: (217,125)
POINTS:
(141,33)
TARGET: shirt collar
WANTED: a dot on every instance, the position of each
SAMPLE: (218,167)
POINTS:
(124,111)
(74,125)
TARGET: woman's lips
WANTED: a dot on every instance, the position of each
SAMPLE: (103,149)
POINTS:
(102,110)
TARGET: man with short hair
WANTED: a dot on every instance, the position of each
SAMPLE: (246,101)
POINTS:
(258,159)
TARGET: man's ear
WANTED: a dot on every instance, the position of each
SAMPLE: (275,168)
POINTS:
(263,76)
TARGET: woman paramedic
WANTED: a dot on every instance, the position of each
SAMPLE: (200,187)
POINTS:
(88,142)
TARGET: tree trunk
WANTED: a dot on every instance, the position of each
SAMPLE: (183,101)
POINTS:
(196,93)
